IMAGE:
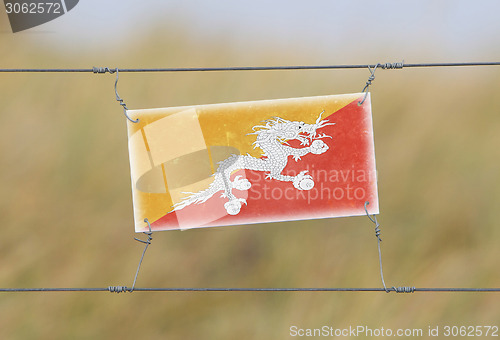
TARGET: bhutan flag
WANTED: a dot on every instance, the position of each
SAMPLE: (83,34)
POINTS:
(252,162)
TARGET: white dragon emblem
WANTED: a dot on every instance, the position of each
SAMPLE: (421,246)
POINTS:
(272,139)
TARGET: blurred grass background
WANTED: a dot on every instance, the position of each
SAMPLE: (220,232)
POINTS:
(66,210)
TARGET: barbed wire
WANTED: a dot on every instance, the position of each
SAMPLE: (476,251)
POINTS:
(121,289)
(398,65)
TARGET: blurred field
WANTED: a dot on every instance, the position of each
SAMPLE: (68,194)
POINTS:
(66,210)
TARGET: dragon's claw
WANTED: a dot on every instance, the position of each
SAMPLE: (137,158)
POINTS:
(303,181)
(304,141)
(233,206)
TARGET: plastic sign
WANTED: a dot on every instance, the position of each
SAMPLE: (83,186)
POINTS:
(252,162)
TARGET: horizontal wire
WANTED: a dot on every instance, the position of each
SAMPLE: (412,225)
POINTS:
(249,68)
(125,289)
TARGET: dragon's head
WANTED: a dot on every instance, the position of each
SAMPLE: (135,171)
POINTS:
(285,130)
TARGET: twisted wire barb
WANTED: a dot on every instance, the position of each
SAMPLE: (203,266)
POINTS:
(379,239)
(377,235)
(117,289)
(368,83)
(122,289)
(119,100)
(147,243)
(392,66)
(404,289)
(386,66)
(102,70)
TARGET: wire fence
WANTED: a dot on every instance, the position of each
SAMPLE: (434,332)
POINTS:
(397,65)
(371,67)
(123,289)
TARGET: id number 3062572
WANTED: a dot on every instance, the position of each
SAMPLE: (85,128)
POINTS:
(453,331)
(33,8)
